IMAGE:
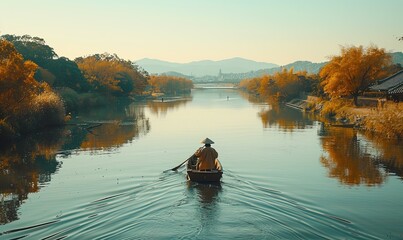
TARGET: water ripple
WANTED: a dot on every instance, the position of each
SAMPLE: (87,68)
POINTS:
(172,208)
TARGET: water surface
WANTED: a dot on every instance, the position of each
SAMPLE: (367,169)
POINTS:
(286,176)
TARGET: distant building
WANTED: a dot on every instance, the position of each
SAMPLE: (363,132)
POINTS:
(390,87)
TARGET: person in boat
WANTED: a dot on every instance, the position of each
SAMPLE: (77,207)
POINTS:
(207,157)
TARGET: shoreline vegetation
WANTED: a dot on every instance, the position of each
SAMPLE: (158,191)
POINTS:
(334,93)
(383,119)
(39,89)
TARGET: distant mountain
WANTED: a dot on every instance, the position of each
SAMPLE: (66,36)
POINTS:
(397,57)
(175,74)
(202,68)
(233,70)
(308,66)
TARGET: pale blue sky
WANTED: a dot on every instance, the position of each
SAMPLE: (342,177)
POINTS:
(279,31)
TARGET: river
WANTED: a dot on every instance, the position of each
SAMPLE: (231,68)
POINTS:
(286,175)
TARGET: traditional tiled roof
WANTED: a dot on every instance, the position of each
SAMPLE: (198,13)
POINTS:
(396,90)
(389,84)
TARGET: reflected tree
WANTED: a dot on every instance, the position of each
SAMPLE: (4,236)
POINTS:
(161,107)
(24,166)
(389,153)
(348,160)
(117,128)
(285,120)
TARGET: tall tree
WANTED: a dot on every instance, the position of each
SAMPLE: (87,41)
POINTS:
(170,84)
(56,71)
(25,104)
(17,83)
(32,48)
(354,70)
(111,74)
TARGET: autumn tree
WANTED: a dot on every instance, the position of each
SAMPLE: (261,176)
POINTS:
(110,74)
(251,85)
(25,104)
(17,83)
(170,84)
(287,84)
(281,86)
(350,73)
(56,71)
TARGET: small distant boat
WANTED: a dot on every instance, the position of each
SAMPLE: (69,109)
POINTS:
(204,176)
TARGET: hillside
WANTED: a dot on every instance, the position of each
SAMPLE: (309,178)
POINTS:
(202,68)
(232,70)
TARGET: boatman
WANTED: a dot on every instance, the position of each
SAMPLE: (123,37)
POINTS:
(207,157)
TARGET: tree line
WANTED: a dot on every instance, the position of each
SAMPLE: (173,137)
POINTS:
(170,85)
(282,86)
(37,87)
(346,75)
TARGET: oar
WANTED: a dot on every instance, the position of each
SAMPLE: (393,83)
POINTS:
(176,168)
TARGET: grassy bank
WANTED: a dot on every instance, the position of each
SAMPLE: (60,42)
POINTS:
(385,120)
(43,110)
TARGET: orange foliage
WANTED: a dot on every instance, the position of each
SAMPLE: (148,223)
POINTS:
(159,107)
(108,73)
(354,70)
(17,83)
(283,85)
(25,104)
(348,161)
(170,84)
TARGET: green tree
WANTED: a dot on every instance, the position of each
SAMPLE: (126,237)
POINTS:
(32,48)
(56,71)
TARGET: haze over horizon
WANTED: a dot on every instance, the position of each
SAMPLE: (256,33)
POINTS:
(182,31)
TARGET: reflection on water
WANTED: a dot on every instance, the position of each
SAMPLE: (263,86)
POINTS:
(208,211)
(207,193)
(162,106)
(24,167)
(349,160)
(109,128)
(389,153)
(352,157)
(284,119)
(280,191)
(357,158)
(29,163)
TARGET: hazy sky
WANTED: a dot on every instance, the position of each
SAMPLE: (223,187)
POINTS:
(279,31)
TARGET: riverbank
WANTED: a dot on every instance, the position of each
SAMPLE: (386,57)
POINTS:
(384,120)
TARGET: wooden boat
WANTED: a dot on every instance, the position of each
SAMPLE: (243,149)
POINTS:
(203,176)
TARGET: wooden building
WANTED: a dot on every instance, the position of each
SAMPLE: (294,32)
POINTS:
(391,87)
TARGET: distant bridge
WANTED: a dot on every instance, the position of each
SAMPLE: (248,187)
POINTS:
(215,86)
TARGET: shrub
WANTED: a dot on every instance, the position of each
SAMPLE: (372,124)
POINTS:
(45,109)
(48,109)
(70,99)
(387,121)
(336,108)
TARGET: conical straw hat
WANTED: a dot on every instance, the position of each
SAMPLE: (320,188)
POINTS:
(207,141)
